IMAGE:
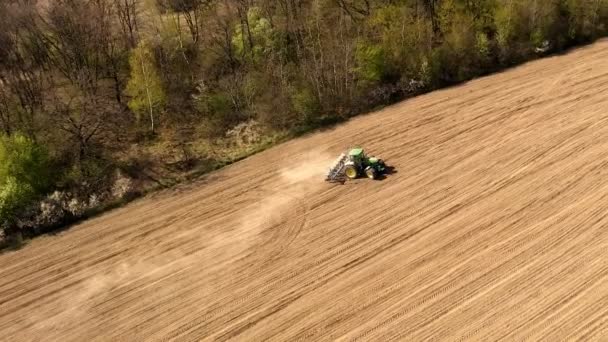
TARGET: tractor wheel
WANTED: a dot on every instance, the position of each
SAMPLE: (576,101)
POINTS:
(350,171)
(371,173)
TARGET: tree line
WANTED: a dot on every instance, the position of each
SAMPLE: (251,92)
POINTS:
(90,90)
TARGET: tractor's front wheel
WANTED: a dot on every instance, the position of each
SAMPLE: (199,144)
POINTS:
(350,171)
(370,173)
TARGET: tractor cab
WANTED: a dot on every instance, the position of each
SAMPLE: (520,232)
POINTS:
(357,156)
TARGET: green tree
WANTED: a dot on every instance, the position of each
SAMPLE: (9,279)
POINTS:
(24,173)
(588,18)
(371,62)
(145,86)
(305,104)
(262,36)
(508,27)
(404,38)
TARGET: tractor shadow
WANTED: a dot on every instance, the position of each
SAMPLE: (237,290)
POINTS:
(389,171)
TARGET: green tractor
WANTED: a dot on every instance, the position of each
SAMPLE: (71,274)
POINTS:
(354,164)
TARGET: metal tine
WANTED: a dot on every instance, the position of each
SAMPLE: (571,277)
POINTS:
(334,172)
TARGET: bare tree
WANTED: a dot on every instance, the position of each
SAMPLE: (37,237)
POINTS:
(355,8)
(221,36)
(242,8)
(431,8)
(75,43)
(6,123)
(126,12)
(84,120)
(22,69)
(114,54)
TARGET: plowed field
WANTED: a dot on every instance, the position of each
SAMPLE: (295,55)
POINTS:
(494,225)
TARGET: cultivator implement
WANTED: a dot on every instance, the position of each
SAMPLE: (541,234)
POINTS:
(336,171)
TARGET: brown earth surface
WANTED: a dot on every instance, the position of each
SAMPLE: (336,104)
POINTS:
(493,226)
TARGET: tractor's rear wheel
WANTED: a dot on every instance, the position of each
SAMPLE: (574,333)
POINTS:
(350,171)
(371,173)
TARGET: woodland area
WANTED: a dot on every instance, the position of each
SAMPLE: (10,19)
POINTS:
(102,100)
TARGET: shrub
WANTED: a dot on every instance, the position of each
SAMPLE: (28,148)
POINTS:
(483,45)
(51,209)
(24,174)
(305,104)
(13,196)
(54,210)
(371,62)
(89,176)
(122,187)
(246,133)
